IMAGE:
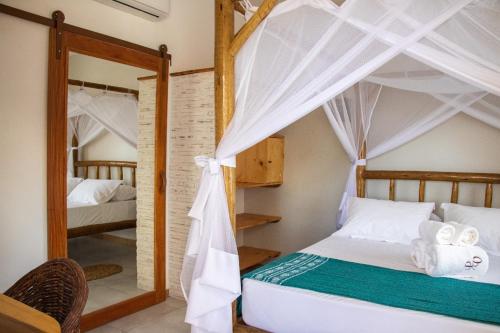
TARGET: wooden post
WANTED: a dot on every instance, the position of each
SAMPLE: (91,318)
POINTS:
(225,51)
(224,88)
(421,191)
(488,195)
(74,145)
(360,169)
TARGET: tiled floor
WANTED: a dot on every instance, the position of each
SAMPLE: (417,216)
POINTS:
(166,317)
(113,289)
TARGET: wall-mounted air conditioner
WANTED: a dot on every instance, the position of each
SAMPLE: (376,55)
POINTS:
(153,10)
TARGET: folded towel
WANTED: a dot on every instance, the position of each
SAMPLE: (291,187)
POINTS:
(460,261)
(418,252)
(435,232)
(465,235)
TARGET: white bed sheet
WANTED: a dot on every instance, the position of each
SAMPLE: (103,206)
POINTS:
(279,309)
(80,215)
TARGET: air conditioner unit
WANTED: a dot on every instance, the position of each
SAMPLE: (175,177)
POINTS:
(152,10)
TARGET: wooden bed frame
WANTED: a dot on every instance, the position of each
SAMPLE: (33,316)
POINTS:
(108,165)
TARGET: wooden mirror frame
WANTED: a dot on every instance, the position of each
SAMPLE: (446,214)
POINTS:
(63,39)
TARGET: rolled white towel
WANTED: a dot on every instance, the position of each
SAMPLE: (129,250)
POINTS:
(418,253)
(465,235)
(459,261)
(435,232)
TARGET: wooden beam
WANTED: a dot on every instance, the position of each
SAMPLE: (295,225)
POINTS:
(239,8)
(224,88)
(252,24)
(101,86)
(224,94)
(439,176)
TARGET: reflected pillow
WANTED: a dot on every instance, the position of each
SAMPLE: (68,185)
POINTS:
(94,191)
(385,220)
(485,220)
(124,193)
(72,182)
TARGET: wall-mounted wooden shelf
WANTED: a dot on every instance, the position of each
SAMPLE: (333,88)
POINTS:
(253,185)
(252,256)
(247,220)
(262,164)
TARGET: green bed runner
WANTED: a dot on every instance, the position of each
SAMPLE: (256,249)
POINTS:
(408,290)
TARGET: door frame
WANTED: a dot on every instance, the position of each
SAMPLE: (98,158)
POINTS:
(64,38)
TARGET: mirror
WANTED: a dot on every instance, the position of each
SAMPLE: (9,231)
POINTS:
(110,172)
(106,168)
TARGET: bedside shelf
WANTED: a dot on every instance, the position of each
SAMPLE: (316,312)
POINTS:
(252,256)
(247,220)
(254,185)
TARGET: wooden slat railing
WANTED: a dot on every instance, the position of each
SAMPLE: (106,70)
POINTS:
(489,179)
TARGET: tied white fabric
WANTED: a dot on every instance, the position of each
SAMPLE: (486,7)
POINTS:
(214,164)
(210,276)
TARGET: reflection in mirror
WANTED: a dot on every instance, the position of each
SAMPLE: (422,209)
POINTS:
(110,145)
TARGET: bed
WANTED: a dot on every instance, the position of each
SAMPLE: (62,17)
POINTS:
(84,219)
(278,308)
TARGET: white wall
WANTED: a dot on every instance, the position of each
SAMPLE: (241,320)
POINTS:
(23,91)
(316,167)
(188,33)
(91,69)
(462,144)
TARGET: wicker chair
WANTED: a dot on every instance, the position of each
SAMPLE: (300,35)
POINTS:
(57,288)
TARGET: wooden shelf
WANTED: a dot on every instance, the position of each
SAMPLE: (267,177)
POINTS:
(247,220)
(252,256)
(253,185)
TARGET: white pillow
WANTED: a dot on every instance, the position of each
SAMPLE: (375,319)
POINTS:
(94,191)
(485,220)
(384,220)
(72,182)
(124,192)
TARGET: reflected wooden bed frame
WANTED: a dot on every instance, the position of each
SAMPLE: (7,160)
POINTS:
(108,166)
(455,178)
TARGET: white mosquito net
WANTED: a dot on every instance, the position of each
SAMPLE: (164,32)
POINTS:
(312,53)
(89,115)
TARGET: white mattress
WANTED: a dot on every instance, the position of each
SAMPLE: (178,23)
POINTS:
(80,215)
(276,308)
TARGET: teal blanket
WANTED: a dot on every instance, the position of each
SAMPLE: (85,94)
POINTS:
(408,290)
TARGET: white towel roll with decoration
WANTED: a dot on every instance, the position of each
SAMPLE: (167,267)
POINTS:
(418,253)
(458,261)
(465,235)
(435,232)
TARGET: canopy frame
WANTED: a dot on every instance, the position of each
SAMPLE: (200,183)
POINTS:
(227,45)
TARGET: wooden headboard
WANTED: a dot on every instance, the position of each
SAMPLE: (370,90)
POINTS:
(108,165)
(424,176)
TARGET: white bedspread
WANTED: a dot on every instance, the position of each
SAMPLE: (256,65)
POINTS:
(279,309)
(114,211)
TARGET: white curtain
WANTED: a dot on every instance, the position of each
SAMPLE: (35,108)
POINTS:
(301,56)
(350,115)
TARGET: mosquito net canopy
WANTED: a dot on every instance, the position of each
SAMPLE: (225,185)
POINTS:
(311,53)
(90,115)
